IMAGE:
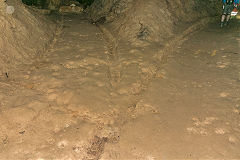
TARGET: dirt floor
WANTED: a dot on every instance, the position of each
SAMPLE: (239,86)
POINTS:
(92,97)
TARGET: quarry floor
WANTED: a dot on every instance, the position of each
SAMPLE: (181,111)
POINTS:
(91,97)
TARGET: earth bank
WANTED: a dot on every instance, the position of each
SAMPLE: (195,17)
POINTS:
(24,35)
(139,22)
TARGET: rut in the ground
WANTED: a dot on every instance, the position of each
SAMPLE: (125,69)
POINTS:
(76,97)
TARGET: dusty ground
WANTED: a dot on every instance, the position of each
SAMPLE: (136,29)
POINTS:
(92,97)
(23,35)
(150,21)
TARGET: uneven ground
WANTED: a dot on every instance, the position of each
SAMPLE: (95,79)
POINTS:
(150,21)
(23,35)
(92,97)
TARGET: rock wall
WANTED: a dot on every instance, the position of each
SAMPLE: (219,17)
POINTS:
(152,20)
(23,35)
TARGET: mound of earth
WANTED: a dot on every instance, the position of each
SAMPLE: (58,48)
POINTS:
(154,20)
(24,34)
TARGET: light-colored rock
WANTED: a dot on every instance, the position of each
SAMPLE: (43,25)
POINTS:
(71,9)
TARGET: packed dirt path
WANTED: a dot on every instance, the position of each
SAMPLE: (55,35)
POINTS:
(92,97)
(193,111)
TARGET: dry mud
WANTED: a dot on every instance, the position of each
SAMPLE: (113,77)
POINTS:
(91,96)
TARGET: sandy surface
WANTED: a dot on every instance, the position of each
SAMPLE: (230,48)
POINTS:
(192,111)
(150,21)
(92,97)
(24,34)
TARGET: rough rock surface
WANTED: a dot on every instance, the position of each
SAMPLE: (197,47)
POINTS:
(23,35)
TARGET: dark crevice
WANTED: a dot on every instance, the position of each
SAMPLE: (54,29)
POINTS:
(43,4)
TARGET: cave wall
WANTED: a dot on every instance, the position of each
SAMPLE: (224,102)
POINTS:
(152,20)
(24,34)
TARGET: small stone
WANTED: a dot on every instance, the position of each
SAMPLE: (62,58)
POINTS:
(29,86)
(62,144)
(52,96)
(232,139)
(26,77)
(236,111)
(10,10)
(224,94)
(220,131)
